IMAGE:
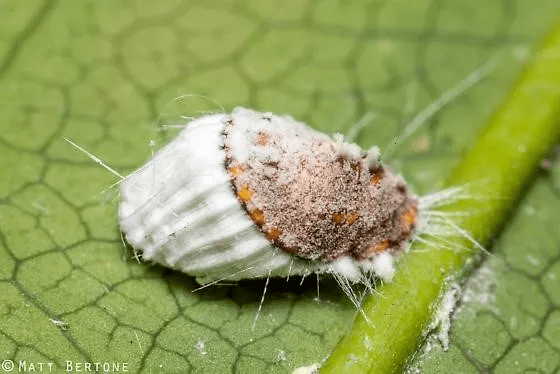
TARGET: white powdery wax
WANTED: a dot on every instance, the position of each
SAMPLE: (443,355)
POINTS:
(252,195)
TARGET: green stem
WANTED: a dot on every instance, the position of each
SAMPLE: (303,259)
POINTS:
(501,164)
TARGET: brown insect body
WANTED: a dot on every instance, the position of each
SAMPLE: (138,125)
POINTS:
(315,197)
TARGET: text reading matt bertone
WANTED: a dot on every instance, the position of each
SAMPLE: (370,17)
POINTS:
(24,366)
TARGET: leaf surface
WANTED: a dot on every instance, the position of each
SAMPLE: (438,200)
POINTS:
(109,74)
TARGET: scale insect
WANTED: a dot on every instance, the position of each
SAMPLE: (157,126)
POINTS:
(257,195)
(253,195)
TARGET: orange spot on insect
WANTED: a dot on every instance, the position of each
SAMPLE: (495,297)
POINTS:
(262,138)
(244,193)
(409,218)
(377,176)
(337,218)
(340,218)
(235,170)
(273,234)
(378,247)
(257,216)
(351,218)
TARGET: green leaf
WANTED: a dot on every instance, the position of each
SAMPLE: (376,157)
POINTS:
(108,74)
(507,321)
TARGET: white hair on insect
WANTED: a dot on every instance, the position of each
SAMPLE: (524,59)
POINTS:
(444,224)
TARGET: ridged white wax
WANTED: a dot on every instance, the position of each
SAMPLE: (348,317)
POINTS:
(180,211)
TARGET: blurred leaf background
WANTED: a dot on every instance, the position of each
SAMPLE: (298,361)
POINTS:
(112,75)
